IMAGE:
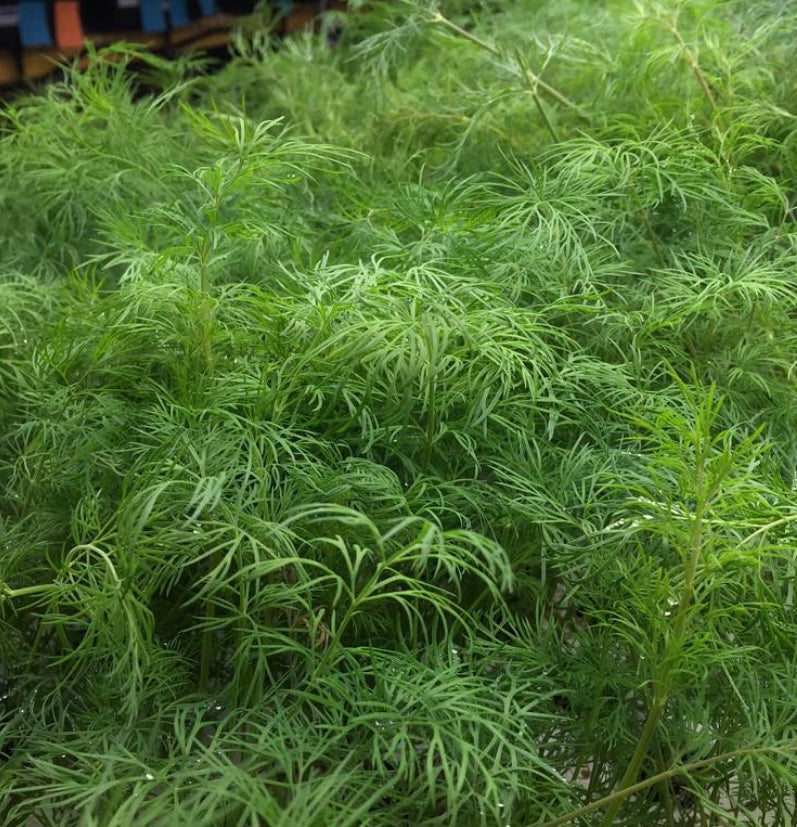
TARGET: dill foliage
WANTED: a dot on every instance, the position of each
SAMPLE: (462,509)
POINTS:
(405,432)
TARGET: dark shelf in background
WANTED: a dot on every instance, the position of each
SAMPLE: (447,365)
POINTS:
(211,33)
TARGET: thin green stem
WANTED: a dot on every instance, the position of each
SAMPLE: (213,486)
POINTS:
(697,71)
(682,769)
(336,638)
(205,311)
(675,642)
(527,74)
(544,115)
(25,591)
(653,239)
(768,527)
(635,764)
(533,82)
(665,788)
(439,19)
(691,61)
(208,633)
(431,421)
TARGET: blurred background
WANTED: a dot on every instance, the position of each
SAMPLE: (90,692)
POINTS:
(36,35)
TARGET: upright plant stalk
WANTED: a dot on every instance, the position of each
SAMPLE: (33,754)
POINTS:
(205,314)
(433,350)
(661,685)
(205,320)
(431,422)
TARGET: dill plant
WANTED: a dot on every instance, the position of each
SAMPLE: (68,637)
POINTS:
(403,433)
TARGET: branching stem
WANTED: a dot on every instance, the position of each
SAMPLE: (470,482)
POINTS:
(619,796)
(679,626)
(527,74)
